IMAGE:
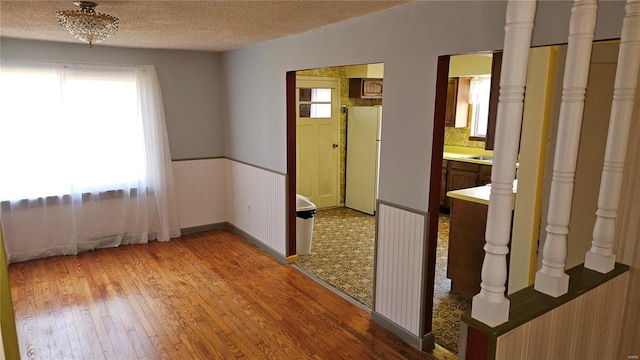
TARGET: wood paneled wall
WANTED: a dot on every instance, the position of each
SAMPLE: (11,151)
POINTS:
(628,235)
(215,191)
(256,203)
(200,191)
(588,327)
(400,267)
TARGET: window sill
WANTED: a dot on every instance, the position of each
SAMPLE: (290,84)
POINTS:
(6,205)
(477,138)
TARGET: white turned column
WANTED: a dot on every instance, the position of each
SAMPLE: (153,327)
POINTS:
(551,278)
(490,306)
(600,257)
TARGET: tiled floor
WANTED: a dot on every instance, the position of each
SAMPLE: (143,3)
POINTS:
(342,255)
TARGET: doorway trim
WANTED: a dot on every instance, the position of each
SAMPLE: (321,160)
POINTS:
(291,252)
(440,108)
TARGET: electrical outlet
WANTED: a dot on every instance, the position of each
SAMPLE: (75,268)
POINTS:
(248,208)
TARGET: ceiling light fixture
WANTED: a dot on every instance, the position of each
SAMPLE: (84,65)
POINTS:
(86,24)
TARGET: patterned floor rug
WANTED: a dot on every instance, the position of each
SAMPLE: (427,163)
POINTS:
(342,255)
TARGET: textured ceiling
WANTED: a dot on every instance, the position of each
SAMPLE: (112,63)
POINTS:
(187,25)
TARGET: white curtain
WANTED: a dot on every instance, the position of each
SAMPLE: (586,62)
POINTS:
(479,93)
(85,159)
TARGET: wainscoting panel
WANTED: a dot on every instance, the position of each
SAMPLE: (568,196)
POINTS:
(588,327)
(628,228)
(399,267)
(200,191)
(256,203)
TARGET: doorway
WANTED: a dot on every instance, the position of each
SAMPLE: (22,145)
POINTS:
(460,127)
(343,239)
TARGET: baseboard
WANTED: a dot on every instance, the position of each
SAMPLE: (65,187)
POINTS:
(208,227)
(236,230)
(421,343)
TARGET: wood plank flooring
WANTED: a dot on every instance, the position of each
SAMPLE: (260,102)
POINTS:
(210,295)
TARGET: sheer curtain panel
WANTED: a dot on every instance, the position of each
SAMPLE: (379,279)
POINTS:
(85,159)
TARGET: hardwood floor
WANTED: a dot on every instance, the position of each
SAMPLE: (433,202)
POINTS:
(209,296)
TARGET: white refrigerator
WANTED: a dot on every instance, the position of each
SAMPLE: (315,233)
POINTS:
(363,155)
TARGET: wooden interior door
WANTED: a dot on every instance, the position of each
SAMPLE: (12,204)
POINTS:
(317,140)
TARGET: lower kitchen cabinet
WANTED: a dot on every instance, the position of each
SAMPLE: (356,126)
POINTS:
(443,184)
(466,241)
(461,175)
(484,176)
(468,224)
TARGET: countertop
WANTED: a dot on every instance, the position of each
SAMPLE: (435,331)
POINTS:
(476,159)
(479,194)
(470,155)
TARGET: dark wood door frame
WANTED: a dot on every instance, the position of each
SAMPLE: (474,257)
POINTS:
(440,109)
(291,164)
(496,67)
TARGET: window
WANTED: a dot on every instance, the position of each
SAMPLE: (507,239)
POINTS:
(85,158)
(68,129)
(479,101)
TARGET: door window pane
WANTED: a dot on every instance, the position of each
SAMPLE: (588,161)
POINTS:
(321,111)
(317,111)
(321,95)
(305,110)
(314,103)
(305,94)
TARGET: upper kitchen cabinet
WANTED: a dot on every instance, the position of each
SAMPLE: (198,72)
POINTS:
(457,114)
(365,88)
